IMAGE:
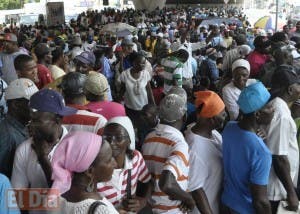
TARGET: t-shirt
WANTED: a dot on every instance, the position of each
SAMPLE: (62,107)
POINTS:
(173,72)
(205,154)
(247,160)
(135,96)
(6,198)
(107,108)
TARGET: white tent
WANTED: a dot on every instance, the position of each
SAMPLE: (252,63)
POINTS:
(149,4)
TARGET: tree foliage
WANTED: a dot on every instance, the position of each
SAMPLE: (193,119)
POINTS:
(14,4)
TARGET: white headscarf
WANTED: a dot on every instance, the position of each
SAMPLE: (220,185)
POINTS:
(126,123)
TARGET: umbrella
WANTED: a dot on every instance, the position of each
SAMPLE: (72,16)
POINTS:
(115,28)
(123,33)
(264,23)
(218,21)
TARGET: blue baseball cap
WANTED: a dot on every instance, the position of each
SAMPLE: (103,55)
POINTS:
(87,57)
(253,98)
(47,100)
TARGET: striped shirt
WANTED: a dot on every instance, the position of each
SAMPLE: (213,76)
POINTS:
(115,189)
(173,71)
(166,149)
(84,120)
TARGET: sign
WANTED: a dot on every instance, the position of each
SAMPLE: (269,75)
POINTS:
(55,13)
(32,199)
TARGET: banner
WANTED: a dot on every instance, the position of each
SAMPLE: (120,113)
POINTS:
(55,13)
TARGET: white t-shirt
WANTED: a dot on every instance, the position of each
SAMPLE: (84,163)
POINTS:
(206,166)
(26,169)
(135,96)
(230,95)
(82,207)
(282,140)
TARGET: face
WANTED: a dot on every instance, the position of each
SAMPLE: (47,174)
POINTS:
(140,64)
(127,49)
(22,109)
(8,47)
(104,164)
(219,120)
(265,115)
(117,137)
(240,77)
(294,91)
(30,71)
(48,58)
(150,117)
(43,126)
(286,29)
(82,67)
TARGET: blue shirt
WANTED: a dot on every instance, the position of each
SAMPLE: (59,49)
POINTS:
(247,160)
(12,133)
(6,198)
(213,69)
(106,69)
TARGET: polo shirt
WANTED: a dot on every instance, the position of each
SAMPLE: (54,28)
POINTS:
(27,172)
(205,154)
(12,133)
(84,120)
(115,189)
(246,160)
(166,149)
(282,140)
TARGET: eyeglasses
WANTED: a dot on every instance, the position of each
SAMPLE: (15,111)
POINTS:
(115,138)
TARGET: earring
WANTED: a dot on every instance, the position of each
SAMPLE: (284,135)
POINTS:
(91,186)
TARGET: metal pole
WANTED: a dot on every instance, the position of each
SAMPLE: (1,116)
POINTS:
(276,19)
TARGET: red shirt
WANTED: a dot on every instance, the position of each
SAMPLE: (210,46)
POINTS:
(257,60)
(44,76)
(107,108)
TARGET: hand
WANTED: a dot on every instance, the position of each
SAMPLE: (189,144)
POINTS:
(261,133)
(188,204)
(132,205)
(293,202)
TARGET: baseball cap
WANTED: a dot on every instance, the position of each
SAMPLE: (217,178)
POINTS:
(241,63)
(178,91)
(211,103)
(20,88)
(47,100)
(86,57)
(253,98)
(284,76)
(10,37)
(73,83)
(96,83)
(172,107)
(127,42)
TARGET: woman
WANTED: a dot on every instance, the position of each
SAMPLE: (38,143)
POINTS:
(79,162)
(131,176)
(135,86)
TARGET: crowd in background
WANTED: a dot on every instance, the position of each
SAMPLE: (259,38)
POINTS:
(167,115)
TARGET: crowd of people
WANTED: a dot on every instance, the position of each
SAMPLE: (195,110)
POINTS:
(173,117)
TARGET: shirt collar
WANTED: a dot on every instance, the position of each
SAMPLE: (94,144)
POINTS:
(65,132)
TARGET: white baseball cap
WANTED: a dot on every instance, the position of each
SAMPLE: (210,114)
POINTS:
(20,88)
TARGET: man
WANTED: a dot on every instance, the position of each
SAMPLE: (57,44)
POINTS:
(282,139)
(259,56)
(96,89)
(72,86)
(44,59)
(106,66)
(58,63)
(31,166)
(127,49)
(166,154)
(26,68)
(13,130)
(297,31)
(161,48)
(85,62)
(10,52)
(246,158)
(173,69)
(205,146)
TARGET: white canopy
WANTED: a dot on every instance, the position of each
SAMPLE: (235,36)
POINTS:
(149,4)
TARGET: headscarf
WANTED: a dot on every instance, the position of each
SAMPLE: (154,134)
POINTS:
(75,153)
(212,104)
(126,123)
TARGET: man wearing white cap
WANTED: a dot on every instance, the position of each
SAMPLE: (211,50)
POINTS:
(13,129)
(231,91)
